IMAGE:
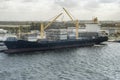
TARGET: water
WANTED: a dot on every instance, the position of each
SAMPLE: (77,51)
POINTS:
(88,63)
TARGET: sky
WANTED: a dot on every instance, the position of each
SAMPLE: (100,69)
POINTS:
(41,10)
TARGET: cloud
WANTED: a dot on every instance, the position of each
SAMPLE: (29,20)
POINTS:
(91,5)
(45,9)
(67,3)
(4,4)
(3,7)
(20,10)
(30,1)
(4,0)
(107,1)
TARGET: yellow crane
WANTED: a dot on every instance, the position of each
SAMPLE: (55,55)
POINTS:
(68,14)
(75,22)
(95,20)
(45,27)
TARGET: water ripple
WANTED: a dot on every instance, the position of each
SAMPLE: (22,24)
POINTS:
(88,63)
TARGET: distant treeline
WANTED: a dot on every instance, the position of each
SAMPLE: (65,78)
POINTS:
(15,22)
(108,25)
(54,25)
(35,25)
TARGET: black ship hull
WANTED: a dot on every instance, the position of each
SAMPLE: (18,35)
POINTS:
(27,46)
(118,41)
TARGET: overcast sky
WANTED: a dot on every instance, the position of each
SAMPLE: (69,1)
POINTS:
(37,10)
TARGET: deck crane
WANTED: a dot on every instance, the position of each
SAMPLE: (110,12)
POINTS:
(75,22)
(95,20)
(45,27)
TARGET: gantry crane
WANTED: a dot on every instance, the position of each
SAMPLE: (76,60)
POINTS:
(75,22)
(45,27)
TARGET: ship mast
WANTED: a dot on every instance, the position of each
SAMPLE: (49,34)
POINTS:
(42,30)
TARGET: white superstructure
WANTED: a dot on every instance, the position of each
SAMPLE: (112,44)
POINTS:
(4,35)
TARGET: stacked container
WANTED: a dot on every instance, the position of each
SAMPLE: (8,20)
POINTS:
(56,34)
(71,33)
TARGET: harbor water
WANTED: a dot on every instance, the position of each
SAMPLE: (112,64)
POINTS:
(101,62)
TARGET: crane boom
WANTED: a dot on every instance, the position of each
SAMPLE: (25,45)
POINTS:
(75,22)
(68,14)
(42,29)
(52,21)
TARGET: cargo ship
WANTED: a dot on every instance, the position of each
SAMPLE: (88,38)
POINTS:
(17,46)
(55,39)
(27,46)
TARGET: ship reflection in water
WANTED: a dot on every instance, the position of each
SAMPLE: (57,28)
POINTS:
(88,63)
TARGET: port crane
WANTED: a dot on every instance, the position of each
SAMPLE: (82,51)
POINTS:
(95,20)
(75,22)
(42,29)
